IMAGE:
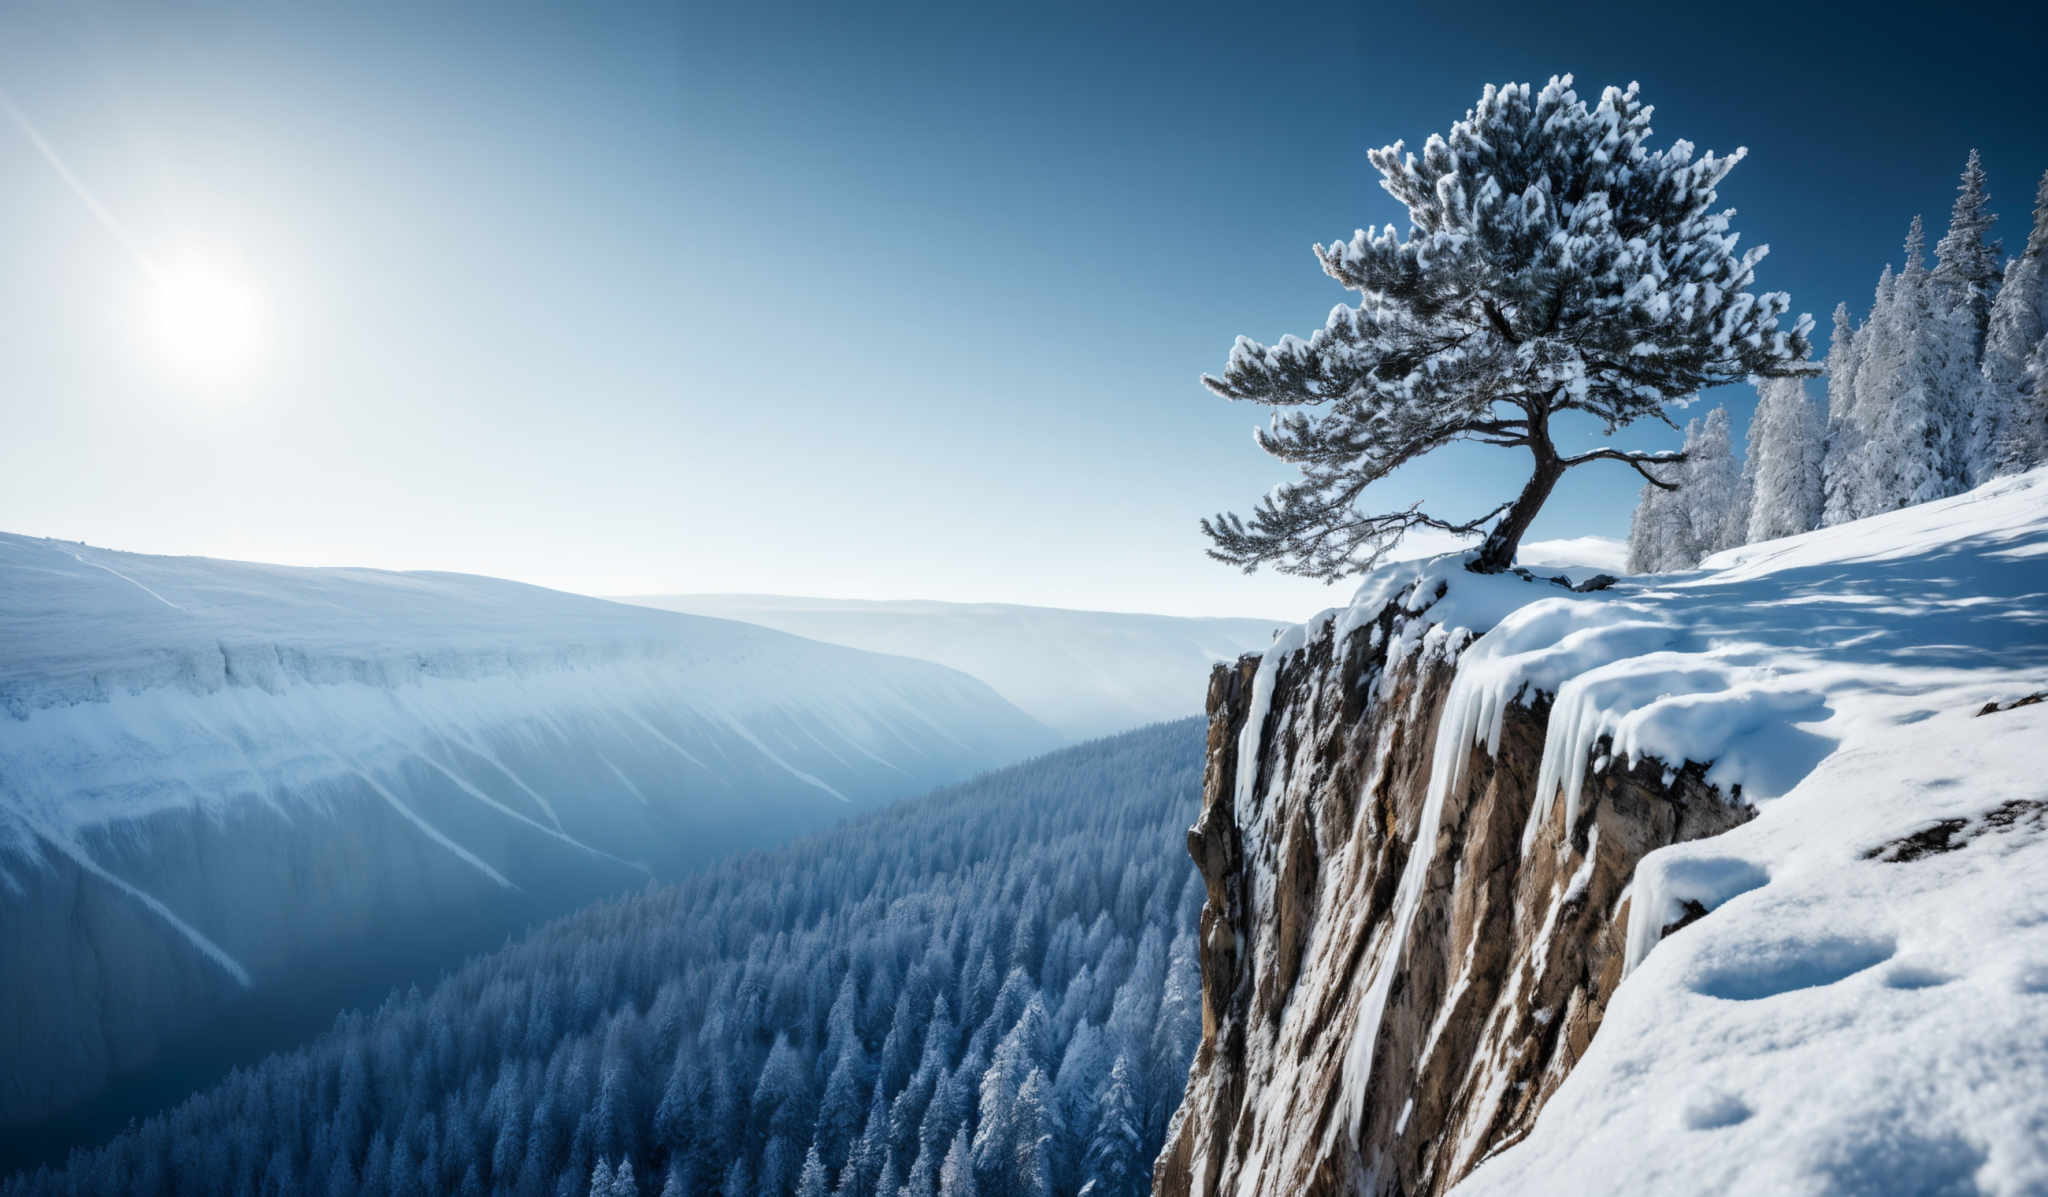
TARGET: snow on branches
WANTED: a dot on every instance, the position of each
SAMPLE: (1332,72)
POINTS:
(1553,262)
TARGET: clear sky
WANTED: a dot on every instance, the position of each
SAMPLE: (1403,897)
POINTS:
(865,300)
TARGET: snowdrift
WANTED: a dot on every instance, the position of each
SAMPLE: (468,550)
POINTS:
(217,778)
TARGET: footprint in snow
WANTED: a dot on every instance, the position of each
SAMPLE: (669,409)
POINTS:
(1907,974)
(1774,968)
(1712,1109)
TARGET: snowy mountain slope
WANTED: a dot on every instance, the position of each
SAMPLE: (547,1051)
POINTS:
(214,773)
(1082,673)
(1710,882)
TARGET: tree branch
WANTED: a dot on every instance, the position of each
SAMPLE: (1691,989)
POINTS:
(1660,457)
(1499,322)
(1637,461)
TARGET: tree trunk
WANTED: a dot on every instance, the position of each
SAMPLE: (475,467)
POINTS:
(1498,553)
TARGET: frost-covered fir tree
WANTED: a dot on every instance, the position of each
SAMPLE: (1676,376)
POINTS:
(1781,469)
(606,1181)
(1652,530)
(1842,459)
(1741,495)
(1912,389)
(811,1181)
(1037,1127)
(2004,440)
(1710,493)
(956,1173)
(923,1180)
(1693,509)
(1553,264)
(1966,262)
(1849,477)
(2027,443)
(1115,1165)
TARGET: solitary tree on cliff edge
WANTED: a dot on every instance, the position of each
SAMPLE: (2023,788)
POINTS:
(1553,264)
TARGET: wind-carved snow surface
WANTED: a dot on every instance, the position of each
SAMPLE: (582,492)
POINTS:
(1833,1023)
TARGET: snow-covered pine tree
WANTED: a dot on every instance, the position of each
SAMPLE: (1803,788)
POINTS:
(1782,466)
(1850,480)
(1115,1166)
(1651,530)
(1741,494)
(1966,264)
(1692,510)
(1037,1126)
(2027,443)
(840,1111)
(811,1181)
(923,1180)
(1915,393)
(676,1185)
(891,1180)
(956,1173)
(1844,468)
(1710,489)
(2002,439)
(1553,263)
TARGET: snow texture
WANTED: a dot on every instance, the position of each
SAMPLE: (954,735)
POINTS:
(1847,1017)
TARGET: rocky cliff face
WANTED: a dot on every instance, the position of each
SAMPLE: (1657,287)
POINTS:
(1398,965)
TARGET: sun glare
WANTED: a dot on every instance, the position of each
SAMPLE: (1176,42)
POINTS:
(206,321)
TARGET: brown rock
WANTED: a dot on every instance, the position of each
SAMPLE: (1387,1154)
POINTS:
(1507,967)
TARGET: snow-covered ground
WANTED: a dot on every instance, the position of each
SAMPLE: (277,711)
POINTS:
(1082,673)
(1603,553)
(1859,1011)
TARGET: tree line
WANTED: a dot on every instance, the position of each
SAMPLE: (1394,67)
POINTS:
(991,991)
(1941,388)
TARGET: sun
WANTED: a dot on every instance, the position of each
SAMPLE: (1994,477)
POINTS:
(206,321)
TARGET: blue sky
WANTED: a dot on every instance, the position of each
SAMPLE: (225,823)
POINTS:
(872,301)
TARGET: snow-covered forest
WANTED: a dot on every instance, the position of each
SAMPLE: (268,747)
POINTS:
(1941,387)
(991,990)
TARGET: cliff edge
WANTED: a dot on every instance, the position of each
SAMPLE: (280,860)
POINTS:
(1518,888)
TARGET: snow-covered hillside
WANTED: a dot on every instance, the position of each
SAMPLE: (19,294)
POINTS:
(1082,673)
(1721,881)
(1861,1007)
(215,773)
